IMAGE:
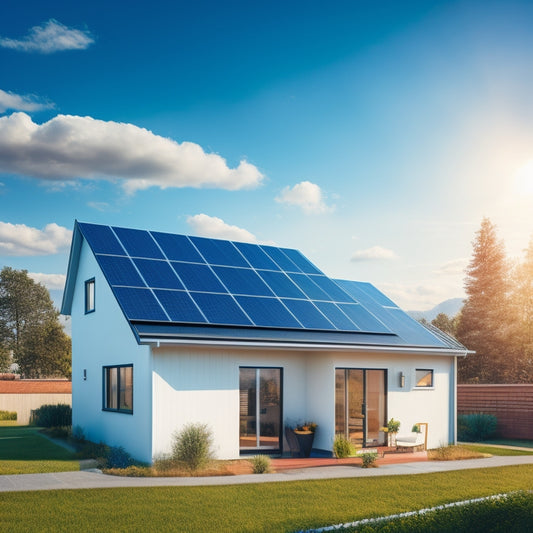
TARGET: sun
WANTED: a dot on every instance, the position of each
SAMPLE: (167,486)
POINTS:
(524,178)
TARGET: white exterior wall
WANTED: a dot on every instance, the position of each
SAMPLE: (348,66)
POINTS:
(104,338)
(202,385)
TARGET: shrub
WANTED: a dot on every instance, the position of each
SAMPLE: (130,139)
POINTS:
(77,434)
(342,447)
(476,427)
(193,446)
(48,416)
(118,457)
(8,415)
(260,464)
(369,459)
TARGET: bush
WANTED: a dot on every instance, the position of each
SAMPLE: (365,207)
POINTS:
(342,447)
(476,427)
(8,415)
(369,459)
(193,446)
(48,416)
(260,464)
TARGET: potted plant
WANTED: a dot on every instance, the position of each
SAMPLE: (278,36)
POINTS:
(305,434)
(393,426)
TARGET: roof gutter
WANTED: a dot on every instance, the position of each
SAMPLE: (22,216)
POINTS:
(302,346)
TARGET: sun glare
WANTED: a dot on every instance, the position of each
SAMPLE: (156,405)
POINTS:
(524,178)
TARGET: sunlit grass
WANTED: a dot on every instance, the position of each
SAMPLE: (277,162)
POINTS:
(271,507)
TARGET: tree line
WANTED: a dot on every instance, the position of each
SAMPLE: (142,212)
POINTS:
(30,332)
(496,320)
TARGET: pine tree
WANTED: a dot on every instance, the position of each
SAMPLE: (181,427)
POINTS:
(484,321)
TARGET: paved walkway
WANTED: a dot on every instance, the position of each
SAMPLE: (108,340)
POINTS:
(91,480)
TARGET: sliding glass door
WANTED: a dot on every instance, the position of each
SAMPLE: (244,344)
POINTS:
(361,405)
(260,409)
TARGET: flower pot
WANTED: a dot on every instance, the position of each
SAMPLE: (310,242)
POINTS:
(305,441)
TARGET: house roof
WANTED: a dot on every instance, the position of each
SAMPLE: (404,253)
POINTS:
(177,287)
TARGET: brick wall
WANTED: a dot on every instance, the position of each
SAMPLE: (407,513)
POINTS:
(511,404)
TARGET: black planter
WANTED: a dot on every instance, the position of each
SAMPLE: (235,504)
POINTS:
(305,441)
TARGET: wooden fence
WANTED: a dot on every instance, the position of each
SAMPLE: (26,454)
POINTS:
(511,404)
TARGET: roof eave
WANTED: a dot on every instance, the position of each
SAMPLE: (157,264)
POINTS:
(72,270)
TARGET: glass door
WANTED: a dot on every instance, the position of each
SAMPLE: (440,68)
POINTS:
(260,409)
(360,405)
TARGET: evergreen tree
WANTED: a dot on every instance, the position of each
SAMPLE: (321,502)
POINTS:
(446,324)
(26,314)
(484,321)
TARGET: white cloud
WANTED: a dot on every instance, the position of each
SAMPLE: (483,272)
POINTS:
(99,206)
(22,240)
(10,100)
(50,281)
(457,266)
(306,195)
(215,227)
(373,253)
(51,37)
(68,147)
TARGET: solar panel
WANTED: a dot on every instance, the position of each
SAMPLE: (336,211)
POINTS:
(198,277)
(220,309)
(158,274)
(218,252)
(334,292)
(336,316)
(120,271)
(177,247)
(363,319)
(311,289)
(139,304)
(138,243)
(179,306)
(101,239)
(242,281)
(280,258)
(281,284)
(256,256)
(267,312)
(302,262)
(307,314)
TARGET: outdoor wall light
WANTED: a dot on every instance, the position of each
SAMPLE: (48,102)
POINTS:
(402,380)
(84,374)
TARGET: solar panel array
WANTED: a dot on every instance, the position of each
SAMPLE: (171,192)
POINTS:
(163,277)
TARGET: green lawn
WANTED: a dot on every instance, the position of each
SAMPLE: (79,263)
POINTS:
(24,451)
(496,451)
(271,507)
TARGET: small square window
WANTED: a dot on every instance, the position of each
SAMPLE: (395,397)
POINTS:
(118,388)
(89,296)
(424,377)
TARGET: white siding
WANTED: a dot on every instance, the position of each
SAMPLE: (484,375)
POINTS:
(105,338)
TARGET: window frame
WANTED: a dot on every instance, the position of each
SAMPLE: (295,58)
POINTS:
(427,371)
(106,392)
(90,293)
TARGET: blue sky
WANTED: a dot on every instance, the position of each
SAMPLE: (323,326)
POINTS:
(371,136)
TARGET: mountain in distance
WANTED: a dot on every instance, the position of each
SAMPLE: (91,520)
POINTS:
(449,307)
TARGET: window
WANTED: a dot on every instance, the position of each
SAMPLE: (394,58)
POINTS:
(89,296)
(424,378)
(118,388)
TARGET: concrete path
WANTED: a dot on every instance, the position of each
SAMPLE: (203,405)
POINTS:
(91,479)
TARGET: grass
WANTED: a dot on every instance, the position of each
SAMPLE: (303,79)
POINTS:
(271,507)
(24,451)
(495,450)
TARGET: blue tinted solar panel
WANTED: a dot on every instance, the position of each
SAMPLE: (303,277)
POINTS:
(242,281)
(332,289)
(197,277)
(119,271)
(267,312)
(255,256)
(307,314)
(365,293)
(138,243)
(139,304)
(179,306)
(335,315)
(101,239)
(312,290)
(220,309)
(363,318)
(177,247)
(158,274)
(280,258)
(300,261)
(281,284)
(219,252)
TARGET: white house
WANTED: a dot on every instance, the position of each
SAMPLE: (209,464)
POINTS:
(169,329)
